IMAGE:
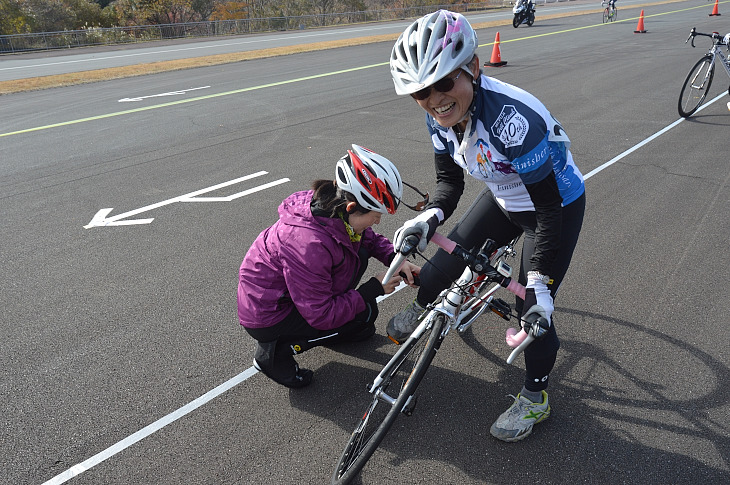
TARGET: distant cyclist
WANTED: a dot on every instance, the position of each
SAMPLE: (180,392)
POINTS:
(297,284)
(507,139)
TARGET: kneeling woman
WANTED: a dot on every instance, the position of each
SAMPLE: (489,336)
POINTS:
(297,284)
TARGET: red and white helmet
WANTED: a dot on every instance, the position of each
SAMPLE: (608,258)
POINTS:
(371,178)
(430,48)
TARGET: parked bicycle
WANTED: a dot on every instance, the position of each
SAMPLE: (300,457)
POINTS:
(393,390)
(610,12)
(698,81)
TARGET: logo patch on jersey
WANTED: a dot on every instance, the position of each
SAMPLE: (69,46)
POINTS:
(486,162)
(511,127)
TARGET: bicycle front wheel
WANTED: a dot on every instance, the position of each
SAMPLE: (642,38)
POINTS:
(393,397)
(696,86)
(605,15)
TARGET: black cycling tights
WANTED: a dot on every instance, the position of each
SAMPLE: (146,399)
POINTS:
(486,219)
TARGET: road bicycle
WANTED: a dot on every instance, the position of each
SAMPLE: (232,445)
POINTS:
(393,390)
(610,13)
(698,81)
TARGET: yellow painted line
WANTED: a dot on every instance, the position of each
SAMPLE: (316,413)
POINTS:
(189,100)
(328,74)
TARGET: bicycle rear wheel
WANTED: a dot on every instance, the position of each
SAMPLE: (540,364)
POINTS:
(406,373)
(696,86)
(614,16)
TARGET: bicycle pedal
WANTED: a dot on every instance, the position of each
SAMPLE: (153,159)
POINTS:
(501,308)
(394,340)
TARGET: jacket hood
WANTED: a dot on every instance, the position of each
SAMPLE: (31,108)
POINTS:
(296,210)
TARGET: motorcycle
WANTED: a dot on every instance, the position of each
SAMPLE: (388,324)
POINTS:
(524,11)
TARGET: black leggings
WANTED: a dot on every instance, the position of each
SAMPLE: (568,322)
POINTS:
(295,333)
(486,219)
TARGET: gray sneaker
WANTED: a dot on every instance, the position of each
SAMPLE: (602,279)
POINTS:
(401,326)
(517,421)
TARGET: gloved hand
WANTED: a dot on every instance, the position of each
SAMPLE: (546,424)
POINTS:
(538,301)
(422,226)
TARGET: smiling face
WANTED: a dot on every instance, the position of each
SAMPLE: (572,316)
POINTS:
(451,107)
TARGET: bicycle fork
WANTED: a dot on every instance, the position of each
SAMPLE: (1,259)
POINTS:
(706,76)
(377,388)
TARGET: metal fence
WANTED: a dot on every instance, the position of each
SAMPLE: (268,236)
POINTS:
(145,33)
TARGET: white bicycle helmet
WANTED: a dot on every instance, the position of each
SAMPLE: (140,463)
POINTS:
(371,178)
(429,49)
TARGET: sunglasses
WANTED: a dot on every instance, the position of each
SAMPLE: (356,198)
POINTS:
(420,205)
(442,86)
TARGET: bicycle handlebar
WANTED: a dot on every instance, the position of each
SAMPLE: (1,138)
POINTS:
(715,36)
(479,263)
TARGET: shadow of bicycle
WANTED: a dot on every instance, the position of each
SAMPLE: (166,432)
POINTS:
(648,408)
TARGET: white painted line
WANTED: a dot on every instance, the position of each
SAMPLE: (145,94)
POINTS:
(148,430)
(171,93)
(159,424)
(644,142)
(100,219)
(234,196)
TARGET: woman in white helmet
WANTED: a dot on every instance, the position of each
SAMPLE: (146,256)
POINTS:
(297,283)
(507,139)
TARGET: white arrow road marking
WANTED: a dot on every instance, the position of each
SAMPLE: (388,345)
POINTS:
(101,219)
(171,93)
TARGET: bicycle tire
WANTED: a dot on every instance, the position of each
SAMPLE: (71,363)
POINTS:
(365,439)
(696,94)
(605,15)
(615,14)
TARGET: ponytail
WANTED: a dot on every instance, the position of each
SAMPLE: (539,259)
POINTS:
(331,200)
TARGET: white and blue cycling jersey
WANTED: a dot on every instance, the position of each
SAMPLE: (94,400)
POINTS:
(512,140)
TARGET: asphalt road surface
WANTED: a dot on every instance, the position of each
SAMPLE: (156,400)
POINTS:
(127,207)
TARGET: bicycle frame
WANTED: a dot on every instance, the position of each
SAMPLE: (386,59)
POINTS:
(716,52)
(450,303)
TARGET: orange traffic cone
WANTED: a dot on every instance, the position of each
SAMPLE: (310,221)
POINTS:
(496,60)
(640,26)
(715,11)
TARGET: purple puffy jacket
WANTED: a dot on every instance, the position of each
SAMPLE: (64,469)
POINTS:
(305,261)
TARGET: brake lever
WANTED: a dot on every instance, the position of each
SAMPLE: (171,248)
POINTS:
(691,36)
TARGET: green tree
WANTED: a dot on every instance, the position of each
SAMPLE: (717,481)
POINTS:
(13,20)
